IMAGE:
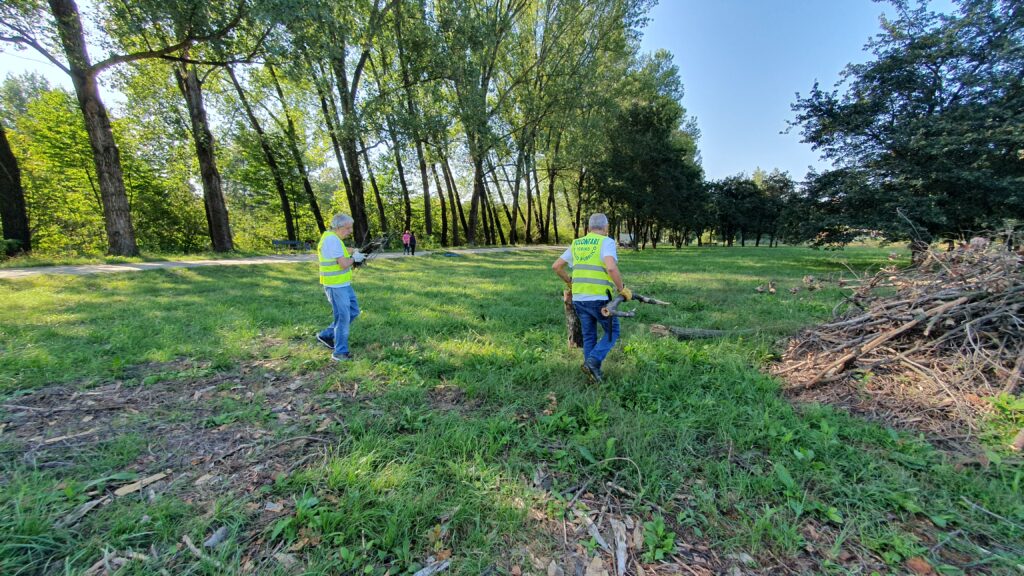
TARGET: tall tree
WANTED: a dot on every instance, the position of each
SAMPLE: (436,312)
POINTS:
(932,121)
(276,171)
(20,21)
(13,216)
(297,154)
(191,86)
(55,31)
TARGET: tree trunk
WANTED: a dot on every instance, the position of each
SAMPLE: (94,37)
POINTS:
(396,147)
(552,217)
(455,197)
(444,211)
(485,221)
(542,230)
(411,109)
(268,155)
(376,191)
(348,138)
(213,197)
(330,113)
(477,199)
(13,216)
(508,214)
(495,215)
(529,199)
(106,157)
(293,145)
(451,200)
(517,213)
(578,216)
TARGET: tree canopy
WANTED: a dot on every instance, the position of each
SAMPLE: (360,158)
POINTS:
(931,127)
(479,122)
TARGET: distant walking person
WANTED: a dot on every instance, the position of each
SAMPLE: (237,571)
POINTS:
(412,243)
(595,273)
(336,277)
(405,242)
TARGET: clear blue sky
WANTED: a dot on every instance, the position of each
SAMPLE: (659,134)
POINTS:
(742,61)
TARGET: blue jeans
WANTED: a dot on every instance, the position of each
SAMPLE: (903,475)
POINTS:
(589,313)
(345,309)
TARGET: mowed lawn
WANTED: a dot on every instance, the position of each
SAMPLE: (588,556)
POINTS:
(464,429)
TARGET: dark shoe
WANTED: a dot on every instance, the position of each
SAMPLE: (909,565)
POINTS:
(329,342)
(341,357)
(593,370)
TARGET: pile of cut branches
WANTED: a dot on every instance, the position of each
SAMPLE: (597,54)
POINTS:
(920,346)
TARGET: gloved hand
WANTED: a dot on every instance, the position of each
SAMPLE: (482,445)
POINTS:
(626,293)
(358,257)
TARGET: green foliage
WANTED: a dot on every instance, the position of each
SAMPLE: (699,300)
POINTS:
(929,126)
(658,540)
(647,171)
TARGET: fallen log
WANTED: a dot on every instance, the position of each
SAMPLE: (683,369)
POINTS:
(690,333)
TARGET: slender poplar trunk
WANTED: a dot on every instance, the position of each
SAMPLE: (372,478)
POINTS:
(529,201)
(451,200)
(508,215)
(497,232)
(293,145)
(348,139)
(444,211)
(396,147)
(268,155)
(329,110)
(542,230)
(381,215)
(213,196)
(413,113)
(456,198)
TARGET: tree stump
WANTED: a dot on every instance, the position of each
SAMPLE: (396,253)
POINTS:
(572,322)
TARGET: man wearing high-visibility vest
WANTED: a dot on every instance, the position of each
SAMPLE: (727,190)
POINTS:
(336,276)
(595,274)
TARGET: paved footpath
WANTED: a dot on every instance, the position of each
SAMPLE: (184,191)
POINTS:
(83,269)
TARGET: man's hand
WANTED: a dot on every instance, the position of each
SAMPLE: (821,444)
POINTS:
(626,293)
(358,257)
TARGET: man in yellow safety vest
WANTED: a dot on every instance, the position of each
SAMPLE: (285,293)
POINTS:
(595,273)
(336,276)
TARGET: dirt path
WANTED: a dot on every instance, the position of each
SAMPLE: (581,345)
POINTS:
(83,269)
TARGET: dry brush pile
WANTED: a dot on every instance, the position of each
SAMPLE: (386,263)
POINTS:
(920,347)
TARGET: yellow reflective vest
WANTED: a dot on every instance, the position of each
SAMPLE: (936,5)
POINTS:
(331,274)
(589,276)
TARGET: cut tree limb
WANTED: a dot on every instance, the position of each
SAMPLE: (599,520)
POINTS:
(139,485)
(612,308)
(690,333)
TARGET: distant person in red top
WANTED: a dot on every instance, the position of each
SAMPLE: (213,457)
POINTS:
(412,244)
(405,242)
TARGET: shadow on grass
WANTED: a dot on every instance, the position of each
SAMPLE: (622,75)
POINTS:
(693,427)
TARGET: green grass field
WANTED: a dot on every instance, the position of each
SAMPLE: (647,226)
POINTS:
(464,427)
